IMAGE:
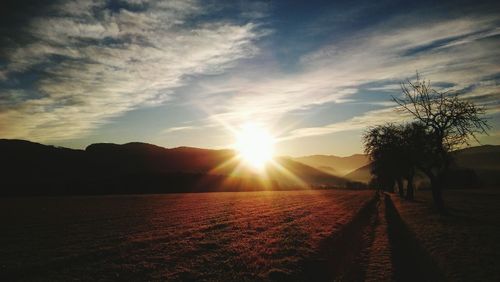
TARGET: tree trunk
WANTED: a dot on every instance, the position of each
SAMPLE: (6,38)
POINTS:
(437,194)
(400,187)
(410,192)
(440,177)
(390,187)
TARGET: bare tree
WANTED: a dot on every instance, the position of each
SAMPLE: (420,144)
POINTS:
(414,152)
(383,146)
(449,122)
(395,151)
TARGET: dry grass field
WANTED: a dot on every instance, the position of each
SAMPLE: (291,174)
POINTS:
(206,236)
(464,243)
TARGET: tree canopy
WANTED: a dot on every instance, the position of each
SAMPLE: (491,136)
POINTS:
(442,121)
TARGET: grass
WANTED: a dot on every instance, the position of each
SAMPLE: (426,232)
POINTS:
(206,236)
(464,243)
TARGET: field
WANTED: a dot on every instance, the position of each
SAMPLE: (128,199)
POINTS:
(464,244)
(205,236)
(252,236)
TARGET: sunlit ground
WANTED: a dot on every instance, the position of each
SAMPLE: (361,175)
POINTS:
(247,236)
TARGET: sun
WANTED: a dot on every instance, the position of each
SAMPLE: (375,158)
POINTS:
(255,145)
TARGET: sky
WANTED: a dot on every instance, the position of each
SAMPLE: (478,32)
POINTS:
(316,74)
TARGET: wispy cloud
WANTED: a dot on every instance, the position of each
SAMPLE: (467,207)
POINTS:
(269,99)
(454,53)
(94,62)
(88,62)
(365,120)
(178,128)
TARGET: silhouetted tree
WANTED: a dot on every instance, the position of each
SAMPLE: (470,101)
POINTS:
(413,138)
(446,121)
(395,152)
(383,144)
(382,183)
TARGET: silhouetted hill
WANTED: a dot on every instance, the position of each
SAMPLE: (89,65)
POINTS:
(305,173)
(339,166)
(480,157)
(361,174)
(475,164)
(141,156)
(30,168)
(484,161)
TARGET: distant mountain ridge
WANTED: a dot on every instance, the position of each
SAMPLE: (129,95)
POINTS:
(105,168)
(483,161)
(361,174)
(339,166)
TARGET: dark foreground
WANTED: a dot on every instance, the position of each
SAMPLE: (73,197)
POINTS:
(464,243)
(284,236)
(202,236)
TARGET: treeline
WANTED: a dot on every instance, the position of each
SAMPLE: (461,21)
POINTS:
(440,122)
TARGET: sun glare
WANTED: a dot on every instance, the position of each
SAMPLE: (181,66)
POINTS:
(255,145)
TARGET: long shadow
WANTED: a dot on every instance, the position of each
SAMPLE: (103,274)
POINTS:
(341,256)
(410,260)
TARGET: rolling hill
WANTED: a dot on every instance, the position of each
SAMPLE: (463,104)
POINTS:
(35,169)
(335,165)
(361,174)
(483,161)
(141,156)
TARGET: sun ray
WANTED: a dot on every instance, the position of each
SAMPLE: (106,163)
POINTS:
(290,175)
(255,145)
(254,158)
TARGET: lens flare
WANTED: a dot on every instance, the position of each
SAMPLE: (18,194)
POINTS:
(255,145)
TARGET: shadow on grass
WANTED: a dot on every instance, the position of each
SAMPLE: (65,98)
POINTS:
(341,256)
(411,261)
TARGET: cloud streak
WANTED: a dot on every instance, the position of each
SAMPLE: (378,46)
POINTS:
(458,53)
(90,61)
(366,120)
(94,62)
